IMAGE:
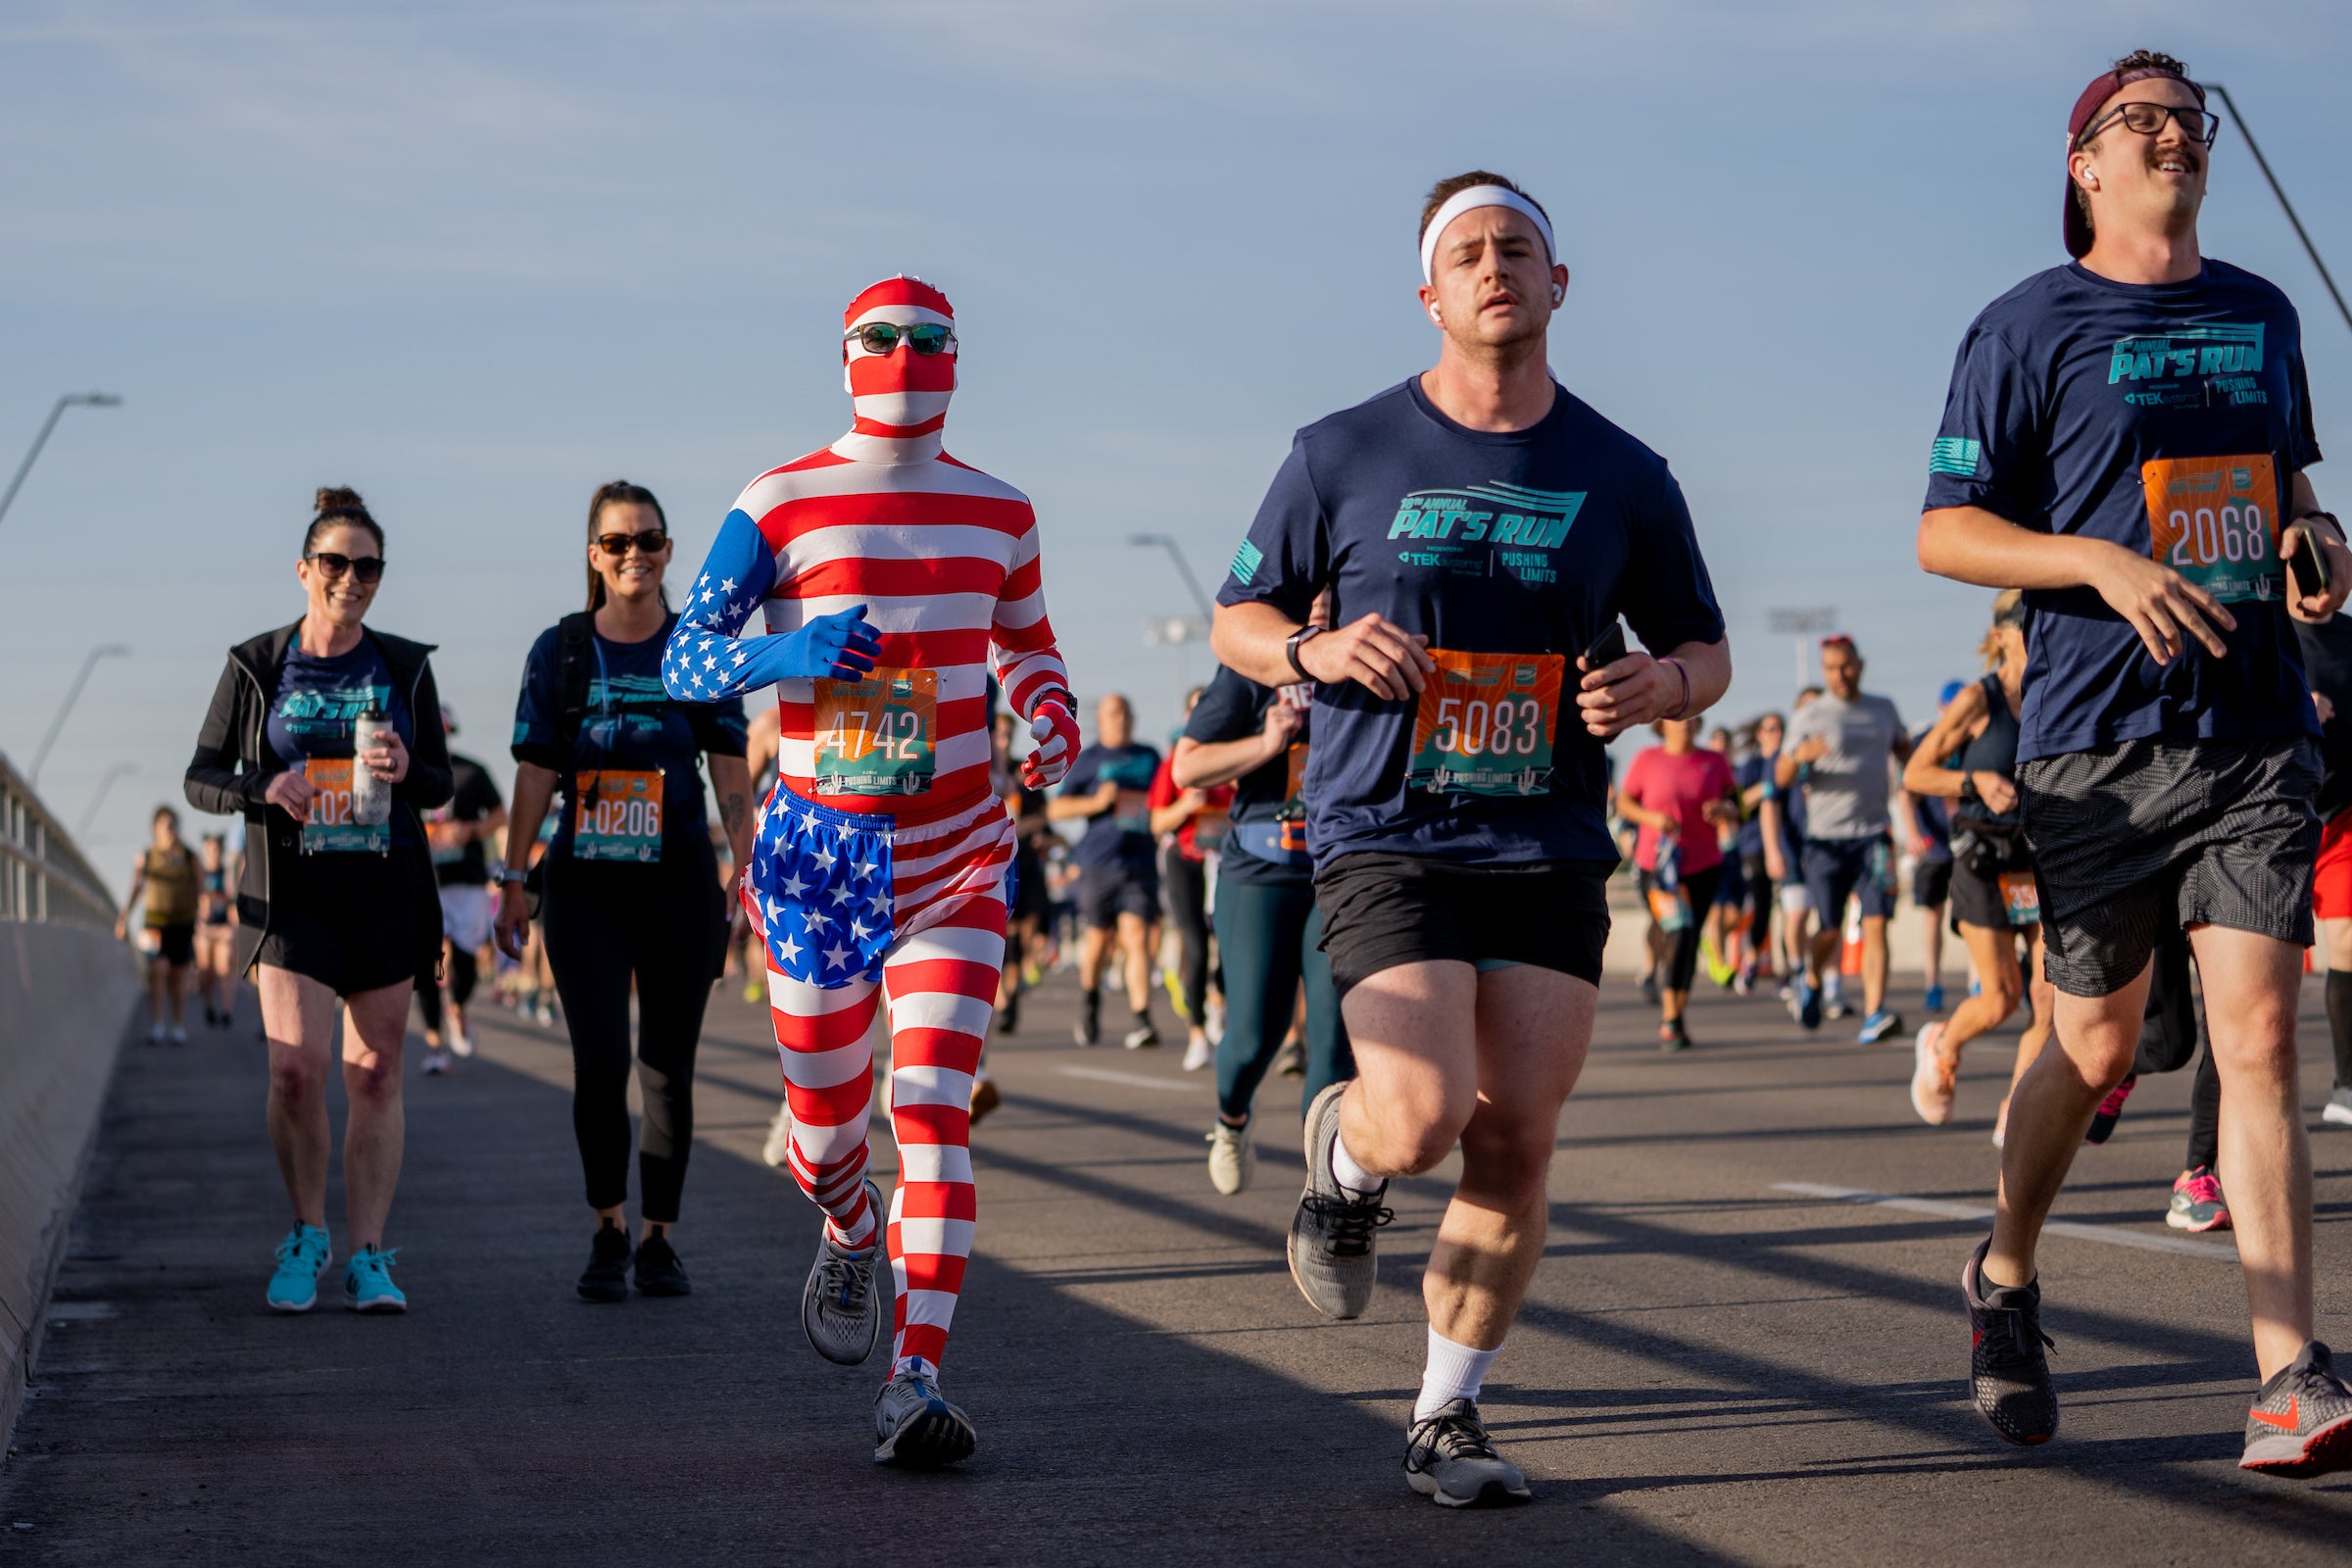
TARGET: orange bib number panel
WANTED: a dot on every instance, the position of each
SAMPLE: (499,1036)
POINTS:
(877,735)
(2214,520)
(617,814)
(1485,723)
(2021,897)
(331,829)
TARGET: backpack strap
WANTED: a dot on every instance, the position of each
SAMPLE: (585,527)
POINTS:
(574,656)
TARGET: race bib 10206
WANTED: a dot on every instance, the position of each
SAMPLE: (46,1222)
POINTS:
(2214,520)
(330,828)
(617,814)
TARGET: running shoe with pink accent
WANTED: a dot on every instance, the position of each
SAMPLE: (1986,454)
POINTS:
(2111,1110)
(2197,1202)
(1934,1081)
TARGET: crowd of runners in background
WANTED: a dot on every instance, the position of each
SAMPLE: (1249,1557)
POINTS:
(1382,851)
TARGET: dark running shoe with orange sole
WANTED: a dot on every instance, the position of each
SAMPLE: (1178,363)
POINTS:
(2301,1422)
(2008,1375)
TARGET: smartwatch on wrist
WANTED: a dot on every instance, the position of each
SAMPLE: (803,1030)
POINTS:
(1291,643)
(510,876)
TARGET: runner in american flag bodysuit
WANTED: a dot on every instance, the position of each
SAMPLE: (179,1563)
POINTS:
(893,577)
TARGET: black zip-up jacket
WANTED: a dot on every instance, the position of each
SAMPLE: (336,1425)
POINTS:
(230,772)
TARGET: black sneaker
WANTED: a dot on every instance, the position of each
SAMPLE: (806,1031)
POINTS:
(1090,1019)
(2008,1375)
(1142,1036)
(1008,1016)
(607,1276)
(2301,1422)
(1449,1459)
(658,1271)
(2110,1111)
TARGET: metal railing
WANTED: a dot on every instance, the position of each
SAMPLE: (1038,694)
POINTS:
(42,875)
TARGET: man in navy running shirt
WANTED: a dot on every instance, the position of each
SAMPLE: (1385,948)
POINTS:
(2125,439)
(1480,527)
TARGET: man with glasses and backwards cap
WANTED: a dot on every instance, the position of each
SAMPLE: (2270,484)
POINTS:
(895,581)
(2125,439)
(1481,527)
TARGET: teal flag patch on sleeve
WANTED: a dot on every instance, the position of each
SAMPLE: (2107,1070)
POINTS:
(1956,455)
(1245,562)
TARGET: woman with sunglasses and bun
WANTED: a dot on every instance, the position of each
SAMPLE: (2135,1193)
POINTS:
(325,735)
(630,887)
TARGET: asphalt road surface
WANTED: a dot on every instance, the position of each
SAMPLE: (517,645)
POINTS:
(1721,1360)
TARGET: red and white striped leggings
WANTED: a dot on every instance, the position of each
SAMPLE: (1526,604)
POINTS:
(940,977)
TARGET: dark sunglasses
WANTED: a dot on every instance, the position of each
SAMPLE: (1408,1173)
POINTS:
(367,568)
(881,337)
(2200,126)
(652,542)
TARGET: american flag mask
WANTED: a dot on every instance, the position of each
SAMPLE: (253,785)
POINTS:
(901,393)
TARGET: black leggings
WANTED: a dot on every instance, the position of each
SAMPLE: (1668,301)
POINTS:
(463,970)
(1681,964)
(1186,886)
(666,925)
(2171,1027)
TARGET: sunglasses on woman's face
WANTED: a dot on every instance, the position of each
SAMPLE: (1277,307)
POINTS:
(367,569)
(652,542)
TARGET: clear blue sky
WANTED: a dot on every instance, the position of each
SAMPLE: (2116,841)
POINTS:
(476,258)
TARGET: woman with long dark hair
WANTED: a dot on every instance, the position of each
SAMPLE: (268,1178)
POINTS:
(630,888)
(312,727)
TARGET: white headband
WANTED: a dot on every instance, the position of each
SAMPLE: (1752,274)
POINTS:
(1462,201)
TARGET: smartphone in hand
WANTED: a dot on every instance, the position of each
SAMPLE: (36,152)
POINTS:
(2309,564)
(1609,646)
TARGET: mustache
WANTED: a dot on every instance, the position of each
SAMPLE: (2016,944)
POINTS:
(2188,152)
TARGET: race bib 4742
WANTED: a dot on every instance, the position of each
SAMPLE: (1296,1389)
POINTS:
(877,735)
(1485,723)
(2214,520)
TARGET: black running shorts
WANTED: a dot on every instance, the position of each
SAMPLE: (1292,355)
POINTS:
(353,922)
(2143,837)
(175,944)
(1381,911)
(1106,892)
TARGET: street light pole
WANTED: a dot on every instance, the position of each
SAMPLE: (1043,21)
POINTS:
(2285,206)
(72,694)
(81,832)
(94,400)
(1162,541)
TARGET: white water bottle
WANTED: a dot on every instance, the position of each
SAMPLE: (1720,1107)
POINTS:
(371,797)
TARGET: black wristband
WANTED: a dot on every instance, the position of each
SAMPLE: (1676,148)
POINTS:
(1290,646)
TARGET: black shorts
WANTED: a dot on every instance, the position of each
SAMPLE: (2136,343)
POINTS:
(1106,892)
(355,922)
(1978,900)
(175,945)
(2140,838)
(1931,883)
(1381,911)
(1031,899)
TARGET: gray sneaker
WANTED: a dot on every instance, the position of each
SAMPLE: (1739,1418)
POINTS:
(838,1308)
(2338,1111)
(1231,1157)
(1333,1259)
(916,1426)
(1449,1459)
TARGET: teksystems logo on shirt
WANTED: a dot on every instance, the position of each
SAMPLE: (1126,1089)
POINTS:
(328,712)
(624,705)
(1523,525)
(2225,358)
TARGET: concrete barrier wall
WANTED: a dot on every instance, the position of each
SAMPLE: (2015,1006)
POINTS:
(66,998)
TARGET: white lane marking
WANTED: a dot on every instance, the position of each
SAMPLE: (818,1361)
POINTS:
(1134,1080)
(2056,1227)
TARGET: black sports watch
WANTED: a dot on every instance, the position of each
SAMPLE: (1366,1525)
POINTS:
(1290,646)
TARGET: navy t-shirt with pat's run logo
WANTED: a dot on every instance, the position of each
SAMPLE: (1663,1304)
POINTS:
(2171,419)
(633,734)
(319,701)
(1520,543)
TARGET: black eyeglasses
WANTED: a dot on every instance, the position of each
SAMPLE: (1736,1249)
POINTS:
(2200,126)
(367,568)
(652,542)
(881,337)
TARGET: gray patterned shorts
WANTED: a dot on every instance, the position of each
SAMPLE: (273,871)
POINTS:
(2143,837)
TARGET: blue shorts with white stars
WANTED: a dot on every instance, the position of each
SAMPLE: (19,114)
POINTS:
(822,879)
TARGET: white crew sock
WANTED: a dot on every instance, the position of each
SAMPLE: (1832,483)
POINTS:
(1454,1372)
(1348,1173)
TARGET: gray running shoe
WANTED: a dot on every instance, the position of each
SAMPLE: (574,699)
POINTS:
(2301,1422)
(838,1308)
(1231,1158)
(1449,1459)
(1333,1259)
(916,1426)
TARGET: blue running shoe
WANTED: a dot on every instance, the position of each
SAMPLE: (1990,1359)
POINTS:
(1933,1000)
(1805,1005)
(1879,1025)
(367,1282)
(301,1258)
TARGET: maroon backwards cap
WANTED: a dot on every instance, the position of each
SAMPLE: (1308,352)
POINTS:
(2101,88)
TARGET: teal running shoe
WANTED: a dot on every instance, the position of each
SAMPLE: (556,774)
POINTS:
(301,1258)
(367,1282)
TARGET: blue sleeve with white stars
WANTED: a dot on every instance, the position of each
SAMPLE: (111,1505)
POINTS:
(706,660)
